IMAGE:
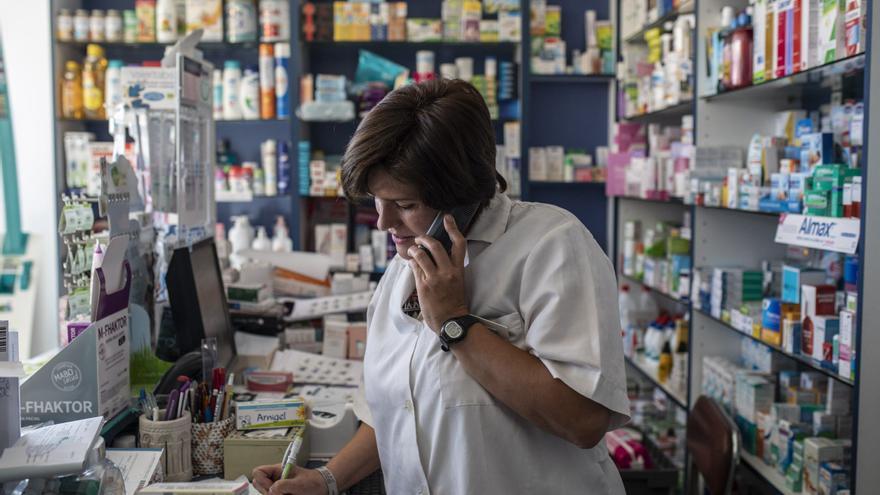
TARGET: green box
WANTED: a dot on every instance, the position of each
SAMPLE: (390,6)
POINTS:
(817,201)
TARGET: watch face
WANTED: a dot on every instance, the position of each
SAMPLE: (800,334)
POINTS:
(453,330)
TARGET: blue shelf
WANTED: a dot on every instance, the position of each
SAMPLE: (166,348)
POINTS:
(571,78)
(668,114)
(416,44)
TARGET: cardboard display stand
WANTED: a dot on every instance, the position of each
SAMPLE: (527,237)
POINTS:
(90,376)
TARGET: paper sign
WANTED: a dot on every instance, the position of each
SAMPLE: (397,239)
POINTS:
(829,233)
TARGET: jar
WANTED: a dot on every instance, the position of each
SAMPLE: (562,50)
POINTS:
(113,26)
(241,21)
(64,26)
(96,25)
(129,26)
(81,25)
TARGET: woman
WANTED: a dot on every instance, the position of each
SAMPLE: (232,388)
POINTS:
(525,305)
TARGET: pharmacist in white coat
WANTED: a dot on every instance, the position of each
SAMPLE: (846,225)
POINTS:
(496,368)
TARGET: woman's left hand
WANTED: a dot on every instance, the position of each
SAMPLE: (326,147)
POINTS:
(440,283)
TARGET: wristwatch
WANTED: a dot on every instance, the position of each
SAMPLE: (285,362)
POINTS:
(455,330)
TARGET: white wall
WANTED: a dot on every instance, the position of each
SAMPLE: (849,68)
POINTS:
(26,29)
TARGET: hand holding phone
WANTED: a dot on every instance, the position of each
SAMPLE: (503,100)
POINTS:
(463,216)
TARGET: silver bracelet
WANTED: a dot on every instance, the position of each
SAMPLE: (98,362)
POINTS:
(329,480)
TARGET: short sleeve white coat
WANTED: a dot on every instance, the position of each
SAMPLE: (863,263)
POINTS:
(544,284)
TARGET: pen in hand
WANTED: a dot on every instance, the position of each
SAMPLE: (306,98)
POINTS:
(291,454)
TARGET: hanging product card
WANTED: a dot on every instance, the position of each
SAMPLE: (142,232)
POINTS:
(833,234)
(149,87)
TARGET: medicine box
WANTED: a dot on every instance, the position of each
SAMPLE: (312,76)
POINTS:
(830,44)
(846,343)
(793,277)
(833,478)
(817,148)
(816,451)
(245,450)
(276,414)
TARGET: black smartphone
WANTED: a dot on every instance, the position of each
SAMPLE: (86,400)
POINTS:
(463,215)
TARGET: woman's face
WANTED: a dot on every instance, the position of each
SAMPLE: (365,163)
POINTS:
(401,211)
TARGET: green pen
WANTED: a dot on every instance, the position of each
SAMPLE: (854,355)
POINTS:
(290,456)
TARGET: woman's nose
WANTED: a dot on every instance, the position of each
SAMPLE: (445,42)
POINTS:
(387,217)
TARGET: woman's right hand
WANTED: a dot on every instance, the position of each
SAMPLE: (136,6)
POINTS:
(267,480)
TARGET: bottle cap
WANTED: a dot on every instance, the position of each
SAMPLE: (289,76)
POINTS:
(115,64)
(267,50)
(231,64)
(93,50)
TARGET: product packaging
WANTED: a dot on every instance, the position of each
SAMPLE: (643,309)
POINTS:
(206,15)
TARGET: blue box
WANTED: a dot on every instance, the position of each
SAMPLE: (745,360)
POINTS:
(795,276)
(817,149)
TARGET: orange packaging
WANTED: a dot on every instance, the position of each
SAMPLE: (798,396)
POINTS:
(267,81)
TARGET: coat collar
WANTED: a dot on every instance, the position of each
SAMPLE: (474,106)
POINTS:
(492,220)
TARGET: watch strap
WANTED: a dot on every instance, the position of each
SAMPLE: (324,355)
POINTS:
(465,322)
(329,480)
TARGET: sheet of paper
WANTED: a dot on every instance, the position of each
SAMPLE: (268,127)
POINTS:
(248,344)
(56,449)
(313,369)
(238,486)
(138,466)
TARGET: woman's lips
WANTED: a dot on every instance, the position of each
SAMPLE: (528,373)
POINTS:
(401,240)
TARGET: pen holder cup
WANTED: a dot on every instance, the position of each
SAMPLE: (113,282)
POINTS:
(207,445)
(174,436)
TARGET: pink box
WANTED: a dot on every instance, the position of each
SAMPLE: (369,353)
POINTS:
(615,182)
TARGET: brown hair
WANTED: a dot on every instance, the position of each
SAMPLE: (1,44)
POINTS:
(435,135)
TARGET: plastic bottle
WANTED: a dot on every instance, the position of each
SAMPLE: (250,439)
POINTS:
(129,26)
(626,306)
(647,306)
(81,25)
(72,92)
(166,21)
(113,26)
(267,81)
(241,21)
(113,87)
(282,98)
(64,26)
(96,25)
(93,82)
(223,246)
(270,166)
(281,242)
(241,235)
(284,167)
(217,104)
(262,241)
(664,368)
(250,94)
(231,87)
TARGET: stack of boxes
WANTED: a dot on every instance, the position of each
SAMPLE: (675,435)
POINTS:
(663,174)
(734,288)
(800,423)
(789,306)
(556,164)
(549,50)
(462,20)
(795,170)
(659,256)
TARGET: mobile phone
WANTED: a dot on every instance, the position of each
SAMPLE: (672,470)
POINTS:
(463,215)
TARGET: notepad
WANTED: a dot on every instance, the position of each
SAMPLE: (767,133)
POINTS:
(219,487)
(50,451)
